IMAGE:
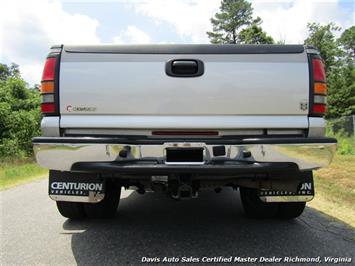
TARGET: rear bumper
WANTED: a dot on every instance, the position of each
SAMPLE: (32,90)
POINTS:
(147,155)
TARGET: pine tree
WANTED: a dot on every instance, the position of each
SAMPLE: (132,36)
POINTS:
(235,24)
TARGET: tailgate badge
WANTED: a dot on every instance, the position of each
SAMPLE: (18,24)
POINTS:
(71,108)
(304,106)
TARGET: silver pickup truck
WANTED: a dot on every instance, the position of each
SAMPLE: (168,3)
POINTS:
(178,119)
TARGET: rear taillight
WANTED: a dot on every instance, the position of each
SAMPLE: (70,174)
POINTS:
(318,69)
(318,88)
(48,105)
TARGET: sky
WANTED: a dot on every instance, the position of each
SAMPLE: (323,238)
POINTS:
(29,28)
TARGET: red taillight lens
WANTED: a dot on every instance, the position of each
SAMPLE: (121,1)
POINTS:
(49,69)
(319,108)
(47,107)
(318,70)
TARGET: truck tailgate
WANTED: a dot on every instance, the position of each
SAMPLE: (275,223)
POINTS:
(237,90)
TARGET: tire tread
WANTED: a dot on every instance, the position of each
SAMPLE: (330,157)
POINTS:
(71,210)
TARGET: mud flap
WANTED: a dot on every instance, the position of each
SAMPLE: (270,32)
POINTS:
(304,193)
(75,187)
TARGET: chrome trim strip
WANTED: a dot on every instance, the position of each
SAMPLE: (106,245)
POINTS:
(93,197)
(61,156)
(300,198)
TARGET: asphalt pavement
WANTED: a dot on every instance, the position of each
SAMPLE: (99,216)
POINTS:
(154,226)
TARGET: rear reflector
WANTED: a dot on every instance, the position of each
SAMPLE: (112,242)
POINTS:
(49,69)
(47,87)
(47,107)
(319,108)
(320,88)
(318,70)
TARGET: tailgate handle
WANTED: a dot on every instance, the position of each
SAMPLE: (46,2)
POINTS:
(184,68)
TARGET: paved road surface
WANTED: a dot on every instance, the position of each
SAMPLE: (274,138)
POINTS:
(155,226)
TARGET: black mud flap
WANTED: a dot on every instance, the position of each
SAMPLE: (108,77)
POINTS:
(304,192)
(75,187)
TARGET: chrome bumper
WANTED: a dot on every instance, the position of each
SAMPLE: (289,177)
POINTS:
(62,153)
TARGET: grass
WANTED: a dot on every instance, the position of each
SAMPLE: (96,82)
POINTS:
(16,173)
(335,189)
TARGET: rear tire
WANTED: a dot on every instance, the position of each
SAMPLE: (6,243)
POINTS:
(254,207)
(106,208)
(71,210)
(291,210)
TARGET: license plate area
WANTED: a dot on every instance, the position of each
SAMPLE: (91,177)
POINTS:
(184,155)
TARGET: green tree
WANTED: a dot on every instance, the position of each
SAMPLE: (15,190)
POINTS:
(254,34)
(347,40)
(234,24)
(322,37)
(338,58)
(341,92)
(347,71)
(19,114)
(8,71)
